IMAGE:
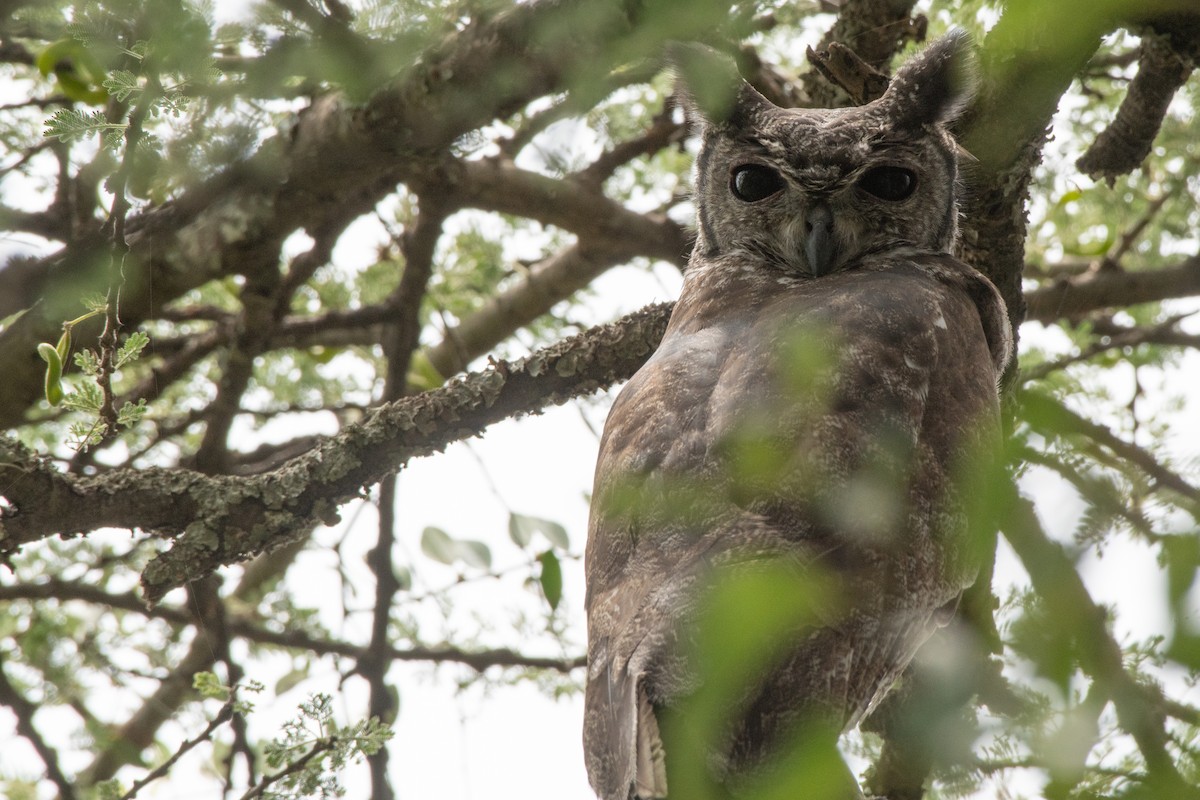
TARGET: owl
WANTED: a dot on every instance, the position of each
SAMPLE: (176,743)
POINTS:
(828,373)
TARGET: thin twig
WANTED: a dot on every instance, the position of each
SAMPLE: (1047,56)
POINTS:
(1063,420)
(1139,706)
(320,746)
(223,716)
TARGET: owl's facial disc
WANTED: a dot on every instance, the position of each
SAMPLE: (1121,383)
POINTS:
(819,245)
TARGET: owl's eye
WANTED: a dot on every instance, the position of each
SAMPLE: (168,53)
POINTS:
(889,183)
(754,182)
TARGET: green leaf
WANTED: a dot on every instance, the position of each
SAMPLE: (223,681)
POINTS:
(441,546)
(96,302)
(551,579)
(121,84)
(404,577)
(1182,556)
(131,414)
(77,71)
(86,435)
(474,554)
(132,348)
(111,789)
(11,318)
(69,124)
(291,680)
(1069,197)
(88,362)
(210,686)
(521,529)
(87,397)
(438,545)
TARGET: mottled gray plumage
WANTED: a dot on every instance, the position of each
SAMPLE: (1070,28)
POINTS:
(826,230)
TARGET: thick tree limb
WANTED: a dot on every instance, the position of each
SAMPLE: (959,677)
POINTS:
(1103,289)
(218,520)
(1122,146)
(231,519)
(548,282)
(1027,63)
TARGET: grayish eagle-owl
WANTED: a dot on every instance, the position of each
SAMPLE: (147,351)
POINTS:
(821,231)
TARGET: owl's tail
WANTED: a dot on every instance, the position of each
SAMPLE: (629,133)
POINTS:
(650,772)
(621,739)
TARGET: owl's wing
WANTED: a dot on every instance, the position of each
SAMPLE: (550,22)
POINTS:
(623,743)
(638,572)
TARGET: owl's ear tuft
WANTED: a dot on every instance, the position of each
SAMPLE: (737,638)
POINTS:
(936,85)
(710,89)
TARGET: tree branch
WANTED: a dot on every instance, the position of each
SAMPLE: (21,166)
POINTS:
(1048,415)
(244,625)
(573,204)
(548,282)
(875,31)
(1111,336)
(1101,289)
(223,716)
(1122,146)
(417,245)
(1139,706)
(219,520)
(139,730)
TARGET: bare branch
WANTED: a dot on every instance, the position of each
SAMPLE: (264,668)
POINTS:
(223,716)
(547,283)
(1101,289)
(1123,145)
(219,520)
(875,31)
(249,627)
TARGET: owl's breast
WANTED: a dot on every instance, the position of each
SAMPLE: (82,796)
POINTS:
(833,409)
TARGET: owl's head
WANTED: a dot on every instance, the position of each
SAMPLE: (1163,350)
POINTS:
(813,190)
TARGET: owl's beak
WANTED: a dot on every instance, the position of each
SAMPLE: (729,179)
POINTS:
(818,242)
